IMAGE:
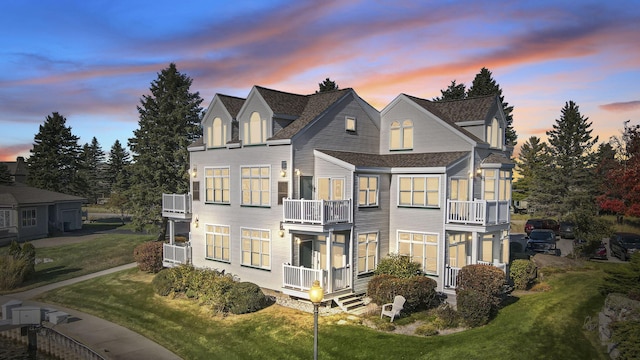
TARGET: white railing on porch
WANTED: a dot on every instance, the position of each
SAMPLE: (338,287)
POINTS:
(480,212)
(301,278)
(316,211)
(176,254)
(451,273)
(341,278)
(176,203)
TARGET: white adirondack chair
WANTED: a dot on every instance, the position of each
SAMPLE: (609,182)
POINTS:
(393,309)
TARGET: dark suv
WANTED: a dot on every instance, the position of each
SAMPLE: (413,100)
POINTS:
(548,224)
(623,244)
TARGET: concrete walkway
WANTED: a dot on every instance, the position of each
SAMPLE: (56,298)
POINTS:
(110,340)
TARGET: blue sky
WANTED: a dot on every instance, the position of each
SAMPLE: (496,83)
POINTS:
(92,61)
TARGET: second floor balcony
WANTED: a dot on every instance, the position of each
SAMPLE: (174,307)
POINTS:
(478,212)
(317,212)
(176,206)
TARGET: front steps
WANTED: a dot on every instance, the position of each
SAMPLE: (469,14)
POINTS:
(351,303)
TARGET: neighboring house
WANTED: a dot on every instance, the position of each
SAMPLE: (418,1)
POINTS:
(18,170)
(290,188)
(28,213)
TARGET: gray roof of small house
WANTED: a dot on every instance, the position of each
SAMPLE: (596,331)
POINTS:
(438,159)
(20,194)
(455,111)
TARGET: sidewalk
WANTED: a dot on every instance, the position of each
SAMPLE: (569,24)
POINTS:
(110,340)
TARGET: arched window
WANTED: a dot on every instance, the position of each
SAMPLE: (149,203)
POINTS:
(255,130)
(494,134)
(218,133)
(401,135)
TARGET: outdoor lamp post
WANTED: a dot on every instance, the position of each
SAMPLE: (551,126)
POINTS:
(315,295)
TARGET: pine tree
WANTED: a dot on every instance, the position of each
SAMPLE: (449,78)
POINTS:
(327,85)
(119,160)
(570,182)
(5,175)
(55,158)
(484,84)
(453,92)
(169,121)
(93,170)
(530,163)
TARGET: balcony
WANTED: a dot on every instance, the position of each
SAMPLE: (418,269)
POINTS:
(317,212)
(297,280)
(478,212)
(176,206)
(175,254)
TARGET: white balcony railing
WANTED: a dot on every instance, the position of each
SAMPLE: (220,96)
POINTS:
(481,212)
(317,211)
(301,278)
(175,254)
(176,205)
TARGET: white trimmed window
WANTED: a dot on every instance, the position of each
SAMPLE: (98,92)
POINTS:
(486,250)
(256,248)
(490,182)
(494,134)
(217,185)
(497,185)
(217,242)
(29,217)
(5,219)
(256,185)
(401,135)
(350,123)
(367,191)
(419,191)
(367,252)
(255,131)
(421,248)
(504,186)
(217,133)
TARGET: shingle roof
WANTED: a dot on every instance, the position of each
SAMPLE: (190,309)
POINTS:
(497,158)
(439,159)
(20,194)
(232,103)
(283,103)
(316,105)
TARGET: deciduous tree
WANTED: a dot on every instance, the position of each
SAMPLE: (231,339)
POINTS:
(169,121)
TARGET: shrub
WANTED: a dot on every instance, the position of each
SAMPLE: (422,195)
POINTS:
(626,335)
(12,271)
(246,297)
(522,272)
(398,266)
(427,329)
(28,253)
(419,291)
(148,255)
(446,317)
(163,282)
(474,307)
(623,279)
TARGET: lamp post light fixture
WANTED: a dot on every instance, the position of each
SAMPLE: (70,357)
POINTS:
(316,293)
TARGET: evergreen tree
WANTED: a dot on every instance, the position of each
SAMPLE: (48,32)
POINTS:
(453,92)
(169,121)
(92,170)
(5,175)
(55,158)
(530,163)
(327,85)
(570,183)
(119,160)
(484,84)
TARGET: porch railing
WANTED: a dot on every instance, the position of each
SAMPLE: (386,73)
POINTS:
(481,212)
(301,278)
(451,273)
(316,211)
(173,204)
(176,254)
(341,278)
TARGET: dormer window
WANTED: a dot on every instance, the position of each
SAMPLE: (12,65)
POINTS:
(217,133)
(494,134)
(255,131)
(401,135)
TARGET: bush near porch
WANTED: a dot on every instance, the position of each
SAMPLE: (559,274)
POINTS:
(480,290)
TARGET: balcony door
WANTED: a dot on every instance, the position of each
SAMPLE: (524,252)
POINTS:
(459,189)
(330,189)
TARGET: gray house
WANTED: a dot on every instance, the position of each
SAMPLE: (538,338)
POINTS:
(28,213)
(290,188)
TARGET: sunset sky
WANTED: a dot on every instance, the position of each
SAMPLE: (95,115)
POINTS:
(92,61)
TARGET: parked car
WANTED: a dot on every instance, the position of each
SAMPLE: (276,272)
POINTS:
(600,253)
(548,224)
(542,241)
(623,244)
(566,230)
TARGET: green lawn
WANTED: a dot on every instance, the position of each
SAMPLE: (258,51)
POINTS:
(73,260)
(545,325)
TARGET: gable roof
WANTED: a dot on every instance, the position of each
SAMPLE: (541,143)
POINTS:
(316,104)
(232,103)
(283,103)
(438,159)
(20,194)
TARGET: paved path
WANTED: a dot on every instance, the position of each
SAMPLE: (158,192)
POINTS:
(110,340)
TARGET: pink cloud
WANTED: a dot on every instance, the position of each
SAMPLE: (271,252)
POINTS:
(621,106)
(11,152)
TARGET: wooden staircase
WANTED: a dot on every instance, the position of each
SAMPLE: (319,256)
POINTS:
(351,303)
